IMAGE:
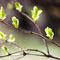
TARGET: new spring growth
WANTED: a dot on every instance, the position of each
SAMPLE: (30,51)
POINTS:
(49,33)
(2,36)
(15,21)
(11,38)
(36,13)
(5,49)
(18,6)
(2,13)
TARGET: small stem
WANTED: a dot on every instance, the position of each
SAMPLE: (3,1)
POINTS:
(48,56)
(36,51)
(45,42)
(27,17)
(38,28)
(15,45)
(18,58)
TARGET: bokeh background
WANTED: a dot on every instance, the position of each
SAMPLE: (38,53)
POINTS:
(50,17)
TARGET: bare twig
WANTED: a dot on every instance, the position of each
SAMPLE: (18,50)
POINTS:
(48,56)
(18,58)
(45,42)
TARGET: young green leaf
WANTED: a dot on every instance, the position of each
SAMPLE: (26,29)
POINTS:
(5,49)
(2,14)
(15,22)
(49,33)
(11,38)
(36,13)
(18,6)
(2,36)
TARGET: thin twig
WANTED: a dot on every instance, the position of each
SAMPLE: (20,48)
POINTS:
(27,17)
(13,43)
(48,56)
(18,58)
(35,50)
(45,42)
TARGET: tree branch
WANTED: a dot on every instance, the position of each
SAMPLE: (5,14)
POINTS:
(25,52)
(30,32)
